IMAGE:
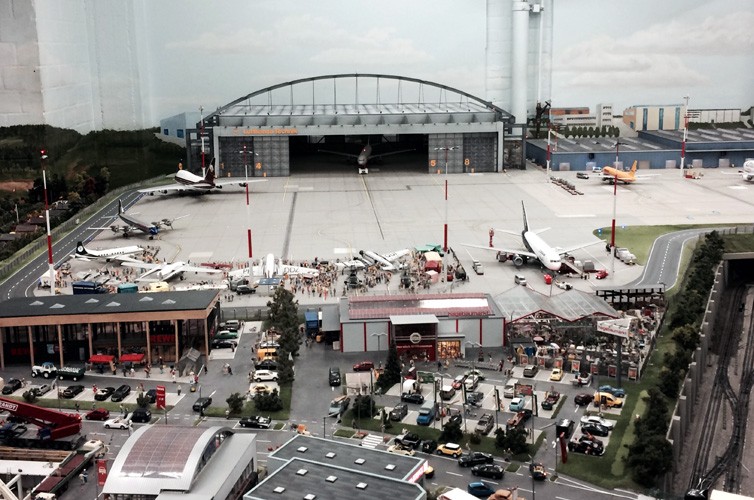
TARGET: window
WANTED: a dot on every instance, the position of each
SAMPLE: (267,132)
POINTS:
(179,133)
(677,118)
(645,117)
(662,117)
(165,131)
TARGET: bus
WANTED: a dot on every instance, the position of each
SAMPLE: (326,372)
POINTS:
(87,287)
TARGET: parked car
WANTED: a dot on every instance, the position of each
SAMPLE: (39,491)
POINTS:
(556,375)
(563,285)
(595,429)
(519,280)
(408,440)
(428,446)
(582,379)
(485,424)
(223,344)
(458,382)
(480,489)
(590,437)
(607,399)
(518,419)
(491,471)
(104,393)
(474,398)
(475,458)
(601,274)
(615,391)
(449,449)
(121,393)
(517,404)
(401,450)
(72,391)
(141,415)
(586,447)
(583,399)
(11,386)
(551,399)
(40,390)
(151,396)
(596,419)
(244,289)
(478,374)
(530,371)
(338,406)
(333,376)
(260,389)
(582,175)
(471,382)
(118,423)
(202,403)
(413,397)
(537,471)
(267,364)
(98,414)
(363,366)
(447,392)
(226,335)
(455,418)
(233,325)
(255,422)
(398,412)
(264,375)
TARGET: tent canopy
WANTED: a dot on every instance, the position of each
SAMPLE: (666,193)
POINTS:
(132,358)
(101,358)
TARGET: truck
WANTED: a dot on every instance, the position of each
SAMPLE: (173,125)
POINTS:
(49,370)
(625,256)
(311,319)
(53,426)
(75,464)
(87,287)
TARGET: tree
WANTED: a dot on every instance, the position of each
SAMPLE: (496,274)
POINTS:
(285,366)
(235,402)
(649,458)
(451,433)
(268,402)
(283,311)
(392,373)
(142,400)
(364,406)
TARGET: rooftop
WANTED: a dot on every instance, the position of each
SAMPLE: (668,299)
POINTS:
(520,302)
(383,306)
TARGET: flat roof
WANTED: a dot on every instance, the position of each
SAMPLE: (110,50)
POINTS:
(346,455)
(414,319)
(120,303)
(300,478)
(521,301)
(437,304)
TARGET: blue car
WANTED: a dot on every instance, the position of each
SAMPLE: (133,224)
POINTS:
(517,404)
(480,489)
(615,391)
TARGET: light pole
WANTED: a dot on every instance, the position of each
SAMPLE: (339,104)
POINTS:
(248,215)
(445,229)
(685,134)
(43,157)
(442,379)
(324,427)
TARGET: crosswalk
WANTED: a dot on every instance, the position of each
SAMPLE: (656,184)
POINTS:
(371,441)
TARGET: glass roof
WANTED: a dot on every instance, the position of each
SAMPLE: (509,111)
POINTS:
(161,453)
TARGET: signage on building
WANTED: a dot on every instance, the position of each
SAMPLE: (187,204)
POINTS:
(101,472)
(618,327)
(160,401)
(415,338)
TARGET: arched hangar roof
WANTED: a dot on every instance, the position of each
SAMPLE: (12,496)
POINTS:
(163,457)
(520,302)
(356,99)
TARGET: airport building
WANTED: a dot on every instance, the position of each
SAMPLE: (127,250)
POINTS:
(69,329)
(311,467)
(166,462)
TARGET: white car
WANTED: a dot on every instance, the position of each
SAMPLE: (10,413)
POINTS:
(118,423)
(41,389)
(596,419)
(400,450)
(262,375)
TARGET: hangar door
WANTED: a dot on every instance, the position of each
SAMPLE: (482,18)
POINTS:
(475,152)
(265,156)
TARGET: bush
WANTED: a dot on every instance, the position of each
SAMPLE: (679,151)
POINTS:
(364,407)
(268,402)
(235,402)
(142,401)
(30,396)
(475,438)
(451,433)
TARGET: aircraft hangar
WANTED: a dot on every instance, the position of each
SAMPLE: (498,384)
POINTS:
(309,124)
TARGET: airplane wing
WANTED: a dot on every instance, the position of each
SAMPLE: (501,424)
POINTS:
(389,153)
(142,265)
(393,256)
(504,250)
(167,188)
(186,268)
(235,181)
(562,251)
(339,153)
(306,272)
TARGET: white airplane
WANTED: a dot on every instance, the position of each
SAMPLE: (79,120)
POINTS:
(748,172)
(536,248)
(387,262)
(134,224)
(270,267)
(165,272)
(121,254)
(186,181)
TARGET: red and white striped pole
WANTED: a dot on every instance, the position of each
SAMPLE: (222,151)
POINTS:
(685,135)
(47,222)
(201,134)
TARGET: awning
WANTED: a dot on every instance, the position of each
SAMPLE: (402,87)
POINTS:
(132,358)
(101,358)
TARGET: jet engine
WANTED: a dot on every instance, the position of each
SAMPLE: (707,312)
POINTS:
(518,260)
(502,256)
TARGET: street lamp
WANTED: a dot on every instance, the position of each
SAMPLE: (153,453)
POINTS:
(445,229)
(685,134)
(442,379)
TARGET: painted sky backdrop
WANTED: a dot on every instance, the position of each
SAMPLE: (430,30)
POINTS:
(624,53)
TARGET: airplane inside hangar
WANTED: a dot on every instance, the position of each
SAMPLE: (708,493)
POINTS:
(327,123)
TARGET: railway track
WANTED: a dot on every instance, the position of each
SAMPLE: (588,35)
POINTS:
(735,397)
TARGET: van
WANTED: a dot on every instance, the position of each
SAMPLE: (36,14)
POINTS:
(232,325)
(427,413)
(607,399)
(510,388)
(471,382)
(447,392)
(530,370)
(410,386)
(268,353)
(520,280)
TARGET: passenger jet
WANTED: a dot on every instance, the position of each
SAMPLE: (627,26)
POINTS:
(165,272)
(609,174)
(748,172)
(132,223)
(186,181)
(365,155)
(111,254)
(270,267)
(536,248)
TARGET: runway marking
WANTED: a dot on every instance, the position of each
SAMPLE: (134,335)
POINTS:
(575,216)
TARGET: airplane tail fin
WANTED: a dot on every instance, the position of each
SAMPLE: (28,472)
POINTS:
(120,207)
(633,168)
(526,220)
(80,250)
(210,175)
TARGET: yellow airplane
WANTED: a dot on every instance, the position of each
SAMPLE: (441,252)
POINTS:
(610,174)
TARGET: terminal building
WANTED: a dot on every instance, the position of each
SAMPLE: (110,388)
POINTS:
(165,462)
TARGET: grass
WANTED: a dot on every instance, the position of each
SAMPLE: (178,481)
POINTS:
(70,404)
(286,392)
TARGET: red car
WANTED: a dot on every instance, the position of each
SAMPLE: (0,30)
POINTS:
(98,414)
(364,366)
(601,274)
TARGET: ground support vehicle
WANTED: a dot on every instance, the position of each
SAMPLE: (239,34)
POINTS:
(57,482)
(52,425)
